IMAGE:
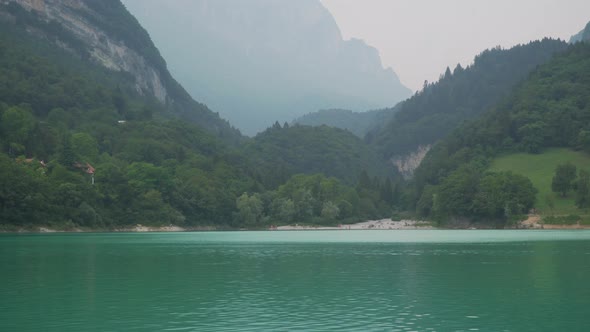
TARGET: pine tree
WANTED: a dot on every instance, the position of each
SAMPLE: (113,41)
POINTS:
(564,177)
(583,190)
(66,155)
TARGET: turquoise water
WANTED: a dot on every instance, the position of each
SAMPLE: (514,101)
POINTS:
(297,281)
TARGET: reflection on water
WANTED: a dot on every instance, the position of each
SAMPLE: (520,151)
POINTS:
(296,281)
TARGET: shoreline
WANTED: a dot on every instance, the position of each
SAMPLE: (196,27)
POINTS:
(532,223)
(381,224)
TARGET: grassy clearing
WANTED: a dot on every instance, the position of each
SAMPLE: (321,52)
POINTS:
(540,168)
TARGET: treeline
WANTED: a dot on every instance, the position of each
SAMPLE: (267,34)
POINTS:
(550,109)
(317,199)
(459,95)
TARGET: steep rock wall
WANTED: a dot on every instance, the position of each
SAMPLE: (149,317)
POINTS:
(104,49)
(407,164)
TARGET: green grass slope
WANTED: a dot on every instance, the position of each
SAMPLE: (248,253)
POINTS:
(540,168)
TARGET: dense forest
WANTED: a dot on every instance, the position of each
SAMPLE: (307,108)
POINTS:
(82,148)
(282,151)
(459,95)
(549,109)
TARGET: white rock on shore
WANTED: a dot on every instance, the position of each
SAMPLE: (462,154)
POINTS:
(171,228)
(371,224)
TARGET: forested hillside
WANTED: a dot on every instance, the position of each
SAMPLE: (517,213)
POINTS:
(60,123)
(282,151)
(550,109)
(459,95)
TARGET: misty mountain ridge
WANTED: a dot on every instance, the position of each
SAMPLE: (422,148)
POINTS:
(583,35)
(260,61)
(358,123)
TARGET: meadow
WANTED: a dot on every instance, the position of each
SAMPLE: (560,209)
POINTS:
(540,168)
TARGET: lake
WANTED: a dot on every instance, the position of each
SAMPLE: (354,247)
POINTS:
(297,281)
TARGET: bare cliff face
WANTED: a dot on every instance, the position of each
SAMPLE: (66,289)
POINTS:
(407,164)
(83,20)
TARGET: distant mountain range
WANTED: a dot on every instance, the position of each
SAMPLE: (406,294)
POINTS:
(358,123)
(261,61)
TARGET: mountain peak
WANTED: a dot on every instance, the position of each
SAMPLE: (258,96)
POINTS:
(260,61)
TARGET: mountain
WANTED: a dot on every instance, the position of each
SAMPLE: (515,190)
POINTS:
(358,123)
(261,61)
(583,35)
(104,33)
(459,95)
(550,109)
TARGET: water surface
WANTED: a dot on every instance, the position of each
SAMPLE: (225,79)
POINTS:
(297,281)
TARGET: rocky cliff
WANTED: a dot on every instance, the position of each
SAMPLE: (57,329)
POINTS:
(82,18)
(406,165)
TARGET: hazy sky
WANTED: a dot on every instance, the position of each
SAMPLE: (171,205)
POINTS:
(420,38)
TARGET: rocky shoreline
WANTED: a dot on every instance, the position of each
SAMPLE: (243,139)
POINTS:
(382,224)
(533,222)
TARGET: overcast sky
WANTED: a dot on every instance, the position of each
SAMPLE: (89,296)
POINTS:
(420,38)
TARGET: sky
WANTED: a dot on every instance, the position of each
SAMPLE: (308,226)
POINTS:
(418,39)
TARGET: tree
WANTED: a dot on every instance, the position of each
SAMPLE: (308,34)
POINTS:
(532,136)
(550,202)
(583,190)
(16,125)
(584,140)
(284,210)
(304,203)
(330,211)
(425,206)
(66,155)
(564,177)
(457,191)
(249,209)
(85,146)
(503,195)
(387,192)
